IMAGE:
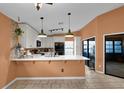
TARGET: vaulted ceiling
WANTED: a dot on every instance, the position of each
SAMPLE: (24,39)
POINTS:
(55,16)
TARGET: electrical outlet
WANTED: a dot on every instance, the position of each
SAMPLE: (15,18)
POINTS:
(62,70)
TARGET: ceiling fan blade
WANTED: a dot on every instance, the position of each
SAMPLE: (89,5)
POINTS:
(49,3)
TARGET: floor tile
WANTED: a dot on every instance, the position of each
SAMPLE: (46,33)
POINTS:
(93,80)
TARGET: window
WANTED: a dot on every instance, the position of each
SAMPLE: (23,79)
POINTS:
(114,46)
(92,47)
(85,46)
(117,47)
(85,49)
(109,46)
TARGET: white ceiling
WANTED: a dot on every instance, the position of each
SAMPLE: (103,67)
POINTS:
(82,13)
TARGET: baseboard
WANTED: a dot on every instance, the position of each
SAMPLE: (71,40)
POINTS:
(38,78)
(100,72)
(9,83)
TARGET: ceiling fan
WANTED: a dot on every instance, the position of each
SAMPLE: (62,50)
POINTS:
(39,5)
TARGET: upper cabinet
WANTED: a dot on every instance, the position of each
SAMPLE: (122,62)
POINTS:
(77,46)
(49,41)
(28,38)
(59,39)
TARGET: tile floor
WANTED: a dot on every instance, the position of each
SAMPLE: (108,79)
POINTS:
(93,81)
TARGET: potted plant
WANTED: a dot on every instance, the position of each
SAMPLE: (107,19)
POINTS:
(18,33)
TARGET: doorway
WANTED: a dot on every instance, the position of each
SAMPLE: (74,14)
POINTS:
(114,55)
(88,50)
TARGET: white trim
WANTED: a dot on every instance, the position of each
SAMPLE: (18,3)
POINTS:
(100,72)
(114,33)
(104,53)
(95,53)
(95,47)
(9,84)
(38,78)
(88,38)
(104,47)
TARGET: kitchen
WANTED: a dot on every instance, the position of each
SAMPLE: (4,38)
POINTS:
(58,54)
(49,48)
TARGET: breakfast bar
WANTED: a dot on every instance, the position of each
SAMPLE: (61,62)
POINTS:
(42,66)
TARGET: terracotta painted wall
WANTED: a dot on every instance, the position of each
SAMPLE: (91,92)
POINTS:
(110,22)
(7,68)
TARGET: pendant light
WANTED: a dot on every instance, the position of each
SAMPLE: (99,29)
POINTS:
(69,34)
(42,34)
(38,6)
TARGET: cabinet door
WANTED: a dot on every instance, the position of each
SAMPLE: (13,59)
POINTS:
(33,39)
(28,39)
(59,39)
(77,46)
(23,37)
(49,42)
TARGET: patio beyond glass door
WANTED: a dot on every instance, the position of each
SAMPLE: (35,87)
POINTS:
(88,47)
(114,55)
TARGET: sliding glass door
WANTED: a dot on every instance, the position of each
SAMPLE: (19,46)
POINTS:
(114,55)
(88,47)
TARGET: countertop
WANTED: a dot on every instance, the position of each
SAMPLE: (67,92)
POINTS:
(44,58)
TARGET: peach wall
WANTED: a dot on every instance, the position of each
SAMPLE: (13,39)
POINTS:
(52,69)
(7,68)
(110,22)
(89,30)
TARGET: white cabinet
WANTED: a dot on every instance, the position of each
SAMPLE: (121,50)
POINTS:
(28,38)
(77,46)
(59,39)
(48,42)
(44,42)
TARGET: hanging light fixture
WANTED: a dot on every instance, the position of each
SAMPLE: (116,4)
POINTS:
(38,6)
(69,34)
(42,34)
